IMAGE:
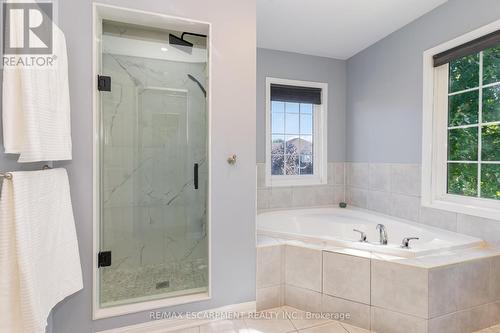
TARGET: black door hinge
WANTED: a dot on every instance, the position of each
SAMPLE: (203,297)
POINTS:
(104,259)
(103,83)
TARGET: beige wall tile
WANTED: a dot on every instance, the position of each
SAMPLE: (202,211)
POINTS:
(269,259)
(475,319)
(473,283)
(303,196)
(494,309)
(405,179)
(359,313)
(331,174)
(263,198)
(302,299)
(386,321)
(380,177)
(281,197)
(380,202)
(405,207)
(443,285)
(303,267)
(261,175)
(268,297)
(358,175)
(486,229)
(400,288)
(338,194)
(495,278)
(438,218)
(346,276)
(339,170)
(357,197)
(445,324)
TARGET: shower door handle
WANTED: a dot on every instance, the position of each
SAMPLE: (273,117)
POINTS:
(195,176)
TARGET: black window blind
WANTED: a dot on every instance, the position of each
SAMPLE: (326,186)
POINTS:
(286,93)
(472,47)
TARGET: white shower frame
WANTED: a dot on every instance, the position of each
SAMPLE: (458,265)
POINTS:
(135,16)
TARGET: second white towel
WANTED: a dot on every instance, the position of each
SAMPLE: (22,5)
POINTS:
(39,258)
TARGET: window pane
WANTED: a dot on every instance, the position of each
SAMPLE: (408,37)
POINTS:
(463,108)
(490,143)
(278,123)
(306,108)
(277,163)
(292,164)
(293,144)
(292,123)
(306,164)
(462,179)
(306,144)
(278,144)
(291,107)
(490,181)
(306,124)
(277,106)
(491,104)
(464,73)
(491,65)
(462,144)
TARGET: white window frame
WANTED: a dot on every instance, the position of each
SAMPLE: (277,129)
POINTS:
(320,161)
(434,138)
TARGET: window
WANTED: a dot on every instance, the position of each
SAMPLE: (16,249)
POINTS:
(296,132)
(461,154)
(474,125)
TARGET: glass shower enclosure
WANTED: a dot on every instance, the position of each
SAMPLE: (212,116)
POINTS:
(153,164)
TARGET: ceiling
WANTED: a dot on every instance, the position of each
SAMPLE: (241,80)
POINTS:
(333,28)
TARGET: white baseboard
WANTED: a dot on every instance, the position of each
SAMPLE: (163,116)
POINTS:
(170,325)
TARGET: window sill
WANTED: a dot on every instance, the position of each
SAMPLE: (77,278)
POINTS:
(294,181)
(467,206)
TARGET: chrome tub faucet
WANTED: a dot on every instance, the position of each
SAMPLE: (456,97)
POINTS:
(383,234)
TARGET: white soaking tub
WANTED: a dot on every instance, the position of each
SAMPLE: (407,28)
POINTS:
(334,227)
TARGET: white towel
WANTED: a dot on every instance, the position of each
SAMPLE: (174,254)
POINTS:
(36,108)
(39,258)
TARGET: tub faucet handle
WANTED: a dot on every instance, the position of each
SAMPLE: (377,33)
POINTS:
(362,235)
(405,244)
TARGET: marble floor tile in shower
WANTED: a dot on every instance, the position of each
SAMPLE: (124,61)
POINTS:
(121,284)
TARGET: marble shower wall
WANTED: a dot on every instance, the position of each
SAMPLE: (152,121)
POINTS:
(154,130)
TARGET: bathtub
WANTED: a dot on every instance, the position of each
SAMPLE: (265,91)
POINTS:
(333,227)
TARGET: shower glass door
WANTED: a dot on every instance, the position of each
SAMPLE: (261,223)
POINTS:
(153,166)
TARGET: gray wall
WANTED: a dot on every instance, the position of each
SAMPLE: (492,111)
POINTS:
(287,65)
(233,131)
(384,82)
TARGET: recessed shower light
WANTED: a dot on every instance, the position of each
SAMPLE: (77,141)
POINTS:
(164,49)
